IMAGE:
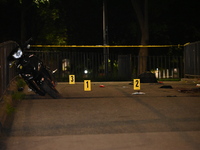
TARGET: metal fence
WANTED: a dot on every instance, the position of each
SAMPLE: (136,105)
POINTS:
(122,64)
(7,74)
(90,65)
(192,59)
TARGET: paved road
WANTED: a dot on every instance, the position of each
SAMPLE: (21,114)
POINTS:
(107,118)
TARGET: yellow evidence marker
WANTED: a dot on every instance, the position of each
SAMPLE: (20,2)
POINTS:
(136,84)
(71,79)
(87,85)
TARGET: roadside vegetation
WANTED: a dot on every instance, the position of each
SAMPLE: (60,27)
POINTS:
(13,95)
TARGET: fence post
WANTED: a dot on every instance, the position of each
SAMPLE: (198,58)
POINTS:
(6,74)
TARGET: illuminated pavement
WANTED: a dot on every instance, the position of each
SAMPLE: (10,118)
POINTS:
(109,117)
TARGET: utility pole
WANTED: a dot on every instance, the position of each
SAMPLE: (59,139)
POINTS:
(105,38)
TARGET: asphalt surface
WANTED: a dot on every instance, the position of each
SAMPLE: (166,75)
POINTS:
(109,117)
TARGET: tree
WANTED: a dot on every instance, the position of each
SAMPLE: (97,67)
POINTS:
(141,10)
(51,27)
(25,7)
(39,19)
(45,23)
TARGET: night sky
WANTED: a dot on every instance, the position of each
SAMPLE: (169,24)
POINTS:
(170,22)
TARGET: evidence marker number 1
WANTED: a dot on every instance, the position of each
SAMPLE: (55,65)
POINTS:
(87,85)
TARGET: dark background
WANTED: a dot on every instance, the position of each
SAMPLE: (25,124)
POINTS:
(80,21)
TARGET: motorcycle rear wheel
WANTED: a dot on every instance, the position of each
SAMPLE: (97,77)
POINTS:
(49,88)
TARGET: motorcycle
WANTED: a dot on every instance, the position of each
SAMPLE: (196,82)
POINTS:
(38,77)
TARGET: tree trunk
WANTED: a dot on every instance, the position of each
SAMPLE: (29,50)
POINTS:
(25,6)
(23,26)
(141,10)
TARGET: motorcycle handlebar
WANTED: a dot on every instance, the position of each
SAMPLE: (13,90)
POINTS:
(25,45)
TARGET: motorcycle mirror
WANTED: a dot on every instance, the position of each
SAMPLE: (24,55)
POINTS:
(28,46)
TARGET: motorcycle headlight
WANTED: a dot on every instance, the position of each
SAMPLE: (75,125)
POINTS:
(18,54)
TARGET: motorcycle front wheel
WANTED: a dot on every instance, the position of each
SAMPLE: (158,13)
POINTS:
(49,88)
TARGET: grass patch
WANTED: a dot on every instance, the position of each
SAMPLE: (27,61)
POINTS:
(10,109)
(20,82)
(18,95)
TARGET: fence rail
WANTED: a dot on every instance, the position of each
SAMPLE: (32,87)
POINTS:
(7,74)
(120,66)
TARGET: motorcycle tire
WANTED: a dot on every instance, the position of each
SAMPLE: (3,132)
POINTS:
(33,86)
(49,88)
